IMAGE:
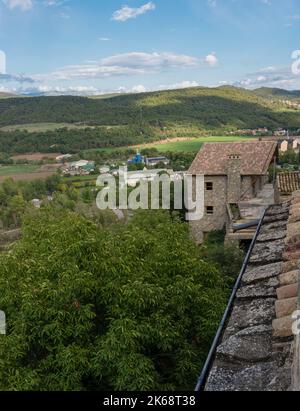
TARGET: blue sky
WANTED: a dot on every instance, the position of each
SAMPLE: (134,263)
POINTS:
(98,46)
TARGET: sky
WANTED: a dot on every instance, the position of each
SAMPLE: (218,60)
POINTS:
(91,47)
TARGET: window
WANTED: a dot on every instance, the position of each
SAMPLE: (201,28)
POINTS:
(209,210)
(209,186)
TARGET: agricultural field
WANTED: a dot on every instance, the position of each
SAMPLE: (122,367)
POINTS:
(35,156)
(26,172)
(41,127)
(191,145)
(17,169)
(176,145)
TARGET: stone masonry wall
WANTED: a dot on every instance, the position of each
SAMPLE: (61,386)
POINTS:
(216,198)
(234,179)
(251,357)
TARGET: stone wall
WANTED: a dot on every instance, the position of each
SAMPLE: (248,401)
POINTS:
(251,357)
(234,179)
(288,297)
(216,198)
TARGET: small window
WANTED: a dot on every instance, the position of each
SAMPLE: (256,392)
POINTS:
(209,210)
(209,186)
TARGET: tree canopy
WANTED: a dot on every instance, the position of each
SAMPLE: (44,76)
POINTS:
(130,307)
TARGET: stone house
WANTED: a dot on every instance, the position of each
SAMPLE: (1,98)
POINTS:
(237,189)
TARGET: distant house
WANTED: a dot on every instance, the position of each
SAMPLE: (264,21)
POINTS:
(148,161)
(236,186)
(285,144)
(132,178)
(81,167)
(154,161)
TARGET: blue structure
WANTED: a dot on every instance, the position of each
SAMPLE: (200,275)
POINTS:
(137,159)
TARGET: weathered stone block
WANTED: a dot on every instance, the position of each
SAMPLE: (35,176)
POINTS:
(251,313)
(294,218)
(264,253)
(248,378)
(295,209)
(287,291)
(262,273)
(292,240)
(282,327)
(291,255)
(277,210)
(291,277)
(293,229)
(286,307)
(279,217)
(258,290)
(252,345)
(273,226)
(271,235)
(291,265)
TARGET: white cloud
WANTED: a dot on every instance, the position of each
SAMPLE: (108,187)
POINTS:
(127,13)
(22,4)
(180,85)
(139,89)
(53,90)
(126,64)
(211,60)
(150,60)
(277,77)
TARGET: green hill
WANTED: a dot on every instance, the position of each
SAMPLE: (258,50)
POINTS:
(277,93)
(206,108)
(122,120)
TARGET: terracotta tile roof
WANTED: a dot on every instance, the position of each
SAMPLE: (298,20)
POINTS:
(212,159)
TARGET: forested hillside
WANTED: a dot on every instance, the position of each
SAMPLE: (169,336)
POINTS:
(277,93)
(210,108)
(136,118)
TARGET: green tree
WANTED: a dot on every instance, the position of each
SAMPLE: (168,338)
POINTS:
(131,307)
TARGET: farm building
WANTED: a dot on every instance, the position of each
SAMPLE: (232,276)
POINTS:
(81,167)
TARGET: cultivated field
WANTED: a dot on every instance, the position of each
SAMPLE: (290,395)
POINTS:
(41,127)
(27,172)
(35,156)
(17,169)
(187,145)
(190,145)
(27,176)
